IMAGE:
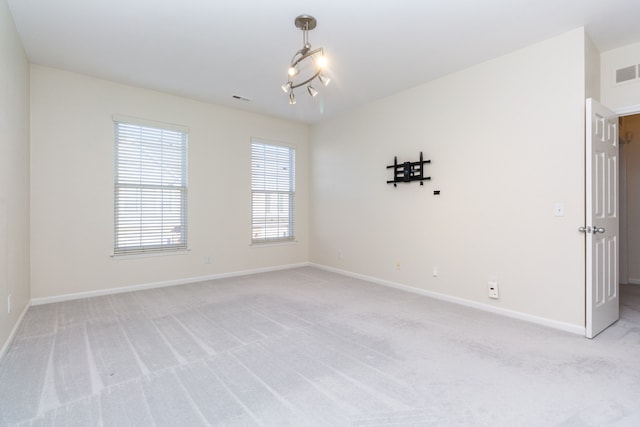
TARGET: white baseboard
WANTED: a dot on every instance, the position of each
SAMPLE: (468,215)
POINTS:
(140,287)
(567,327)
(14,331)
(634,281)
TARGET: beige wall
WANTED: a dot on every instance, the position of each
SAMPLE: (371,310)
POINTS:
(619,96)
(72,186)
(14,175)
(506,140)
(519,153)
(592,70)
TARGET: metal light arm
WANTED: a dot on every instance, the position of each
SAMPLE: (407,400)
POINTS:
(303,56)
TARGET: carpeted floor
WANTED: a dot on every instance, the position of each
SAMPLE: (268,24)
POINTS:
(306,347)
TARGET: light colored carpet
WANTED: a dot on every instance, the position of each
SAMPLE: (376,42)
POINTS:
(306,347)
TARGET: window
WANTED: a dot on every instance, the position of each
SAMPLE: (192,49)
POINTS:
(272,192)
(150,188)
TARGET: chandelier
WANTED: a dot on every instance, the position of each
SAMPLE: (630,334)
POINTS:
(306,64)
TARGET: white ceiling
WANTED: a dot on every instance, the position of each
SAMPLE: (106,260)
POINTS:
(211,50)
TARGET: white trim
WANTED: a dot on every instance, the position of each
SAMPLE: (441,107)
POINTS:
(273,243)
(131,288)
(634,281)
(14,331)
(259,140)
(567,327)
(627,111)
(123,256)
(121,118)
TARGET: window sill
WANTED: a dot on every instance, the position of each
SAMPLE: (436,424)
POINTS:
(269,244)
(150,254)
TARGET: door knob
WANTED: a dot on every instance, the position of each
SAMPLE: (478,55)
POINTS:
(590,229)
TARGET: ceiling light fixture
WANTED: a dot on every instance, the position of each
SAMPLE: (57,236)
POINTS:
(306,64)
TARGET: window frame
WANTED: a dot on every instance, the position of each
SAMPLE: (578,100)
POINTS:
(159,181)
(276,191)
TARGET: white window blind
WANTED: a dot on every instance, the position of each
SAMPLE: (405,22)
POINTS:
(150,189)
(272,192)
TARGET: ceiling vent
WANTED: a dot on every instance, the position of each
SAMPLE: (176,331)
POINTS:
(627,74)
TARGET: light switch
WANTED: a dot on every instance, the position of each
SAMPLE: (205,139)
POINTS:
(558,209)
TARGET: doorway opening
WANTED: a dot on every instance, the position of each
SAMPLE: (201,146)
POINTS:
(629,137)
(629,200)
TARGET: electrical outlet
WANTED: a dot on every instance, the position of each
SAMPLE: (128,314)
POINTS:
(207,259)
(435,271)
(9,304)
(492,289)
(397,265)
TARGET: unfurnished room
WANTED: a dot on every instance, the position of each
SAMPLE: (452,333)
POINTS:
(296,213)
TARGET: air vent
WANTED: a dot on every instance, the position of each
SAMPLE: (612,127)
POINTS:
(627,74)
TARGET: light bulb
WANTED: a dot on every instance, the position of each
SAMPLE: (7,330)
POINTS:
(312,91)
(292,71)
(286,87)
(322,61)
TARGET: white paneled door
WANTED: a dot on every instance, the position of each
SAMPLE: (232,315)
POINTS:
(602,217)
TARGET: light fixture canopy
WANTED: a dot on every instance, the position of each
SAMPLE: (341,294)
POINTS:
(306,64)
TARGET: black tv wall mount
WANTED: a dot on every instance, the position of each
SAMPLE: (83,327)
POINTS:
(408,171)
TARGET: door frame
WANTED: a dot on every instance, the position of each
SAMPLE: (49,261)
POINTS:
(622,112)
